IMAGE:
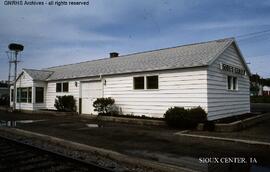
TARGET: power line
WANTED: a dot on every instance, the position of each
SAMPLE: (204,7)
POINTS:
(259,56)
(253,34)
(248,39)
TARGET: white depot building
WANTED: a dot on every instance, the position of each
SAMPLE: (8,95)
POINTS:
(213,75)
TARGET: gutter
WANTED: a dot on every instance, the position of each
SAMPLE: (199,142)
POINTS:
(130,72)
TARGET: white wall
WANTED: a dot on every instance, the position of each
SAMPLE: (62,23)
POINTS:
(51,92)
(224,102)
(191,87)
(266,88)
(37,106)
(26,81)
(183,87)
(23,81)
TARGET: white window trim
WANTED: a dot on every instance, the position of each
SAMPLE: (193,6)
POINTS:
(62,87)
(134,82)
(145,82)
(236,83)
(43,96)
(232,83)
(27,97)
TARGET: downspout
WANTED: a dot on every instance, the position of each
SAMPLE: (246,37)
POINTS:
(80,96)
(102,82)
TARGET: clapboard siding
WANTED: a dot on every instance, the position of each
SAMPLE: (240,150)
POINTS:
(37,106)
(223,102)
(185,88)
(190,87)
(24,80)
(51,92)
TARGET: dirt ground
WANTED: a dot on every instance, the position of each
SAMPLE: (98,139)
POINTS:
(154,143)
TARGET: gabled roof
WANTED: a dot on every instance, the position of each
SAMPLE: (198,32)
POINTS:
(185,56)
(38,75)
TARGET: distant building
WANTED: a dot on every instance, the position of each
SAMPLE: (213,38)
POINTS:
(266,91)
(213,75)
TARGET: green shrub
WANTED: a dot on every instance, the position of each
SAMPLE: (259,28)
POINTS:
(174,117)
(196,115)
(114,110)
(65,103)
(180,117)
(103,105)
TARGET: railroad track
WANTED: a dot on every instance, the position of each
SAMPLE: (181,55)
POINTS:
(17,156)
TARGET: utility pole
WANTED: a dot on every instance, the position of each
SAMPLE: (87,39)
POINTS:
(13,59)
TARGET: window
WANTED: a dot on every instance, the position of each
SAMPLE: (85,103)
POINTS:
(232,83)
(235,83)
(24,95)
(39,94)
(12,94)
(65,87)
(29,100)
(229,82)
(138,83)
(152,82)
(62,87)
(18,95)
(58,87)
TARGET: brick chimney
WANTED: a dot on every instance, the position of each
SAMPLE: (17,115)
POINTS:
(114,54)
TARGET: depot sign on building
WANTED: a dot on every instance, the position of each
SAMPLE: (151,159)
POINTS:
(232,69)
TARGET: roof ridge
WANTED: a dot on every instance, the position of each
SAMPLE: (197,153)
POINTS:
(79,63)
(147,51)
(37,70)
(203,42)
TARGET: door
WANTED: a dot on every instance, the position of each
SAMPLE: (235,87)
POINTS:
(90,92)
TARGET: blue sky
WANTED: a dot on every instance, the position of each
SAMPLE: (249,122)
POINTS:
(68,34)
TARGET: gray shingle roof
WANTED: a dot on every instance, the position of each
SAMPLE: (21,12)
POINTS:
(40,75)
(192,55)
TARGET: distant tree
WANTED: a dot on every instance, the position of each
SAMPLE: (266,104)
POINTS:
(254,89)
(255,82)
(255,78)
(3,84)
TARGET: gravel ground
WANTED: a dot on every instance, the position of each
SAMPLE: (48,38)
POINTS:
(153,143)
(81,155)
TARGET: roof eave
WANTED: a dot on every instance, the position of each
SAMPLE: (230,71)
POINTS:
(220,52)
(242,58)
(233,41)
(123,73)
